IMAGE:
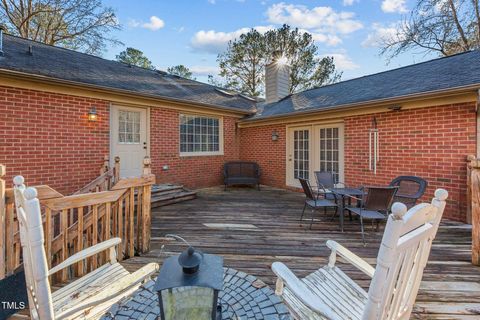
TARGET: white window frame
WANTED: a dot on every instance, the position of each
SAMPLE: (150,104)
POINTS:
(202,153)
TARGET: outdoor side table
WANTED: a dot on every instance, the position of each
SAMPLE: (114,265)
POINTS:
(344,193)
(243,297)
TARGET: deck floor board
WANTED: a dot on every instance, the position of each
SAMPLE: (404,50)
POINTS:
(450,287)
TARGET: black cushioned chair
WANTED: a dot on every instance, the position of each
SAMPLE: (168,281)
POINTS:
(241,172)
(375,205)
(410,189)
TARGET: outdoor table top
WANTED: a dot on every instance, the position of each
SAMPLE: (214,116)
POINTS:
(347,191)
(243,297)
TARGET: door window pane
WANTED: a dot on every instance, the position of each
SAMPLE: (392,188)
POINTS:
(329,151)
(128,127)
(301,152)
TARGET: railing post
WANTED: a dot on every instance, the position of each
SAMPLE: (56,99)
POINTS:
(146,208)
(116,172)
(106,165)
(474,165)
(470,158)
(2,221)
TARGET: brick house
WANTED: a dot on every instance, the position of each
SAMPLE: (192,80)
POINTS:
(425,115)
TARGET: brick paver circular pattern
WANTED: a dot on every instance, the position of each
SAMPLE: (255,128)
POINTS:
(243,297)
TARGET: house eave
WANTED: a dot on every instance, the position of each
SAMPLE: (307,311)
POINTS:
(364,104)
(103,89)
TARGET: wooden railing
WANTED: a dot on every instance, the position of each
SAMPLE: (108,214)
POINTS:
(72,223)
(106,180)
(473,205)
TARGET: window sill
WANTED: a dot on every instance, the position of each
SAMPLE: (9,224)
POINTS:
(200,154)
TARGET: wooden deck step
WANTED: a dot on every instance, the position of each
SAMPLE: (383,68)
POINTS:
(165,194)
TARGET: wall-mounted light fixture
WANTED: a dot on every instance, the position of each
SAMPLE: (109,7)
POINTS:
(92,114)
(275,135)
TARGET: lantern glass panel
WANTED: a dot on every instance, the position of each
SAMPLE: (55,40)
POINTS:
(193,303)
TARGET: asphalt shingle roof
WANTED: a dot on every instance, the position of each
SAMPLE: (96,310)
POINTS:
(439,74)
(430,76)
(74,66)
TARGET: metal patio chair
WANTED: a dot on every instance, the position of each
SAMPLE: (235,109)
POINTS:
(314,201)
(410,189)
(375,205)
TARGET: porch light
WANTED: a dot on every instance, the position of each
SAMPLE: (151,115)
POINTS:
(188,285)
(275,135)
(92,114)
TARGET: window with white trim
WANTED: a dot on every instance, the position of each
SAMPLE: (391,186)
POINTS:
(200,135)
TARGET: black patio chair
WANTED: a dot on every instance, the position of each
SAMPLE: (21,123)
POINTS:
(326,180)
(410,189)
(314,201)
(374,206)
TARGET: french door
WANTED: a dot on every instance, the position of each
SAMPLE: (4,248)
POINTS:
(314,148)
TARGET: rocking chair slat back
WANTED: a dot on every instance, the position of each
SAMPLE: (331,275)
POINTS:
(402,257)
(34,258)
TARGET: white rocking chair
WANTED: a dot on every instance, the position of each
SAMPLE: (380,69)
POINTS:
(86,298)
(328,293)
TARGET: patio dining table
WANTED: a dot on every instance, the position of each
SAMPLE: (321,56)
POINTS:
(342,194)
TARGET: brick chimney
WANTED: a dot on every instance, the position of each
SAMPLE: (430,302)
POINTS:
(277,79)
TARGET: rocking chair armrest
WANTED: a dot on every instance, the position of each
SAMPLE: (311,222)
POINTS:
(85,253)
(301,291)
(351,257)
(117,289)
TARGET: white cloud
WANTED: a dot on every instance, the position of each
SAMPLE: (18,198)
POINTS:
(318,19)
(342,61)
(394,6)
(211,1)
(155,24)
(212,41)
(381,33)
(204,70)
(349,2)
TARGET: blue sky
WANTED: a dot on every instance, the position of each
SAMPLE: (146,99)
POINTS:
(194,32)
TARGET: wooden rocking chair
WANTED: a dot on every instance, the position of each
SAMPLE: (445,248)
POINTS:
(86,298)
(328,293)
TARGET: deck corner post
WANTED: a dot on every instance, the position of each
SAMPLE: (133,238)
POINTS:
(474,180)
(2,220)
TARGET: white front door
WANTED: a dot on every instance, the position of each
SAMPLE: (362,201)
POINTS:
(314,148)
(128,139)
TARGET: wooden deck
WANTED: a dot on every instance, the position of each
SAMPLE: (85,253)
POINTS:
(251,229)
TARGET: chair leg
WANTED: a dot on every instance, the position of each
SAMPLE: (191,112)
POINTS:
(311,221)
(363,231)
(334,214)
(303,211)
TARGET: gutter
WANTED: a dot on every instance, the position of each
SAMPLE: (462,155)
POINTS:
(28,76)
(369,103)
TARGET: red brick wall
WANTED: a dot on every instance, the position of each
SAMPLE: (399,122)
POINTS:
(193,172)
(429,142)
(47,138)
(256,145)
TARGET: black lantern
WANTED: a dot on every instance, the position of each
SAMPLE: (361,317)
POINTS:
(188,286)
